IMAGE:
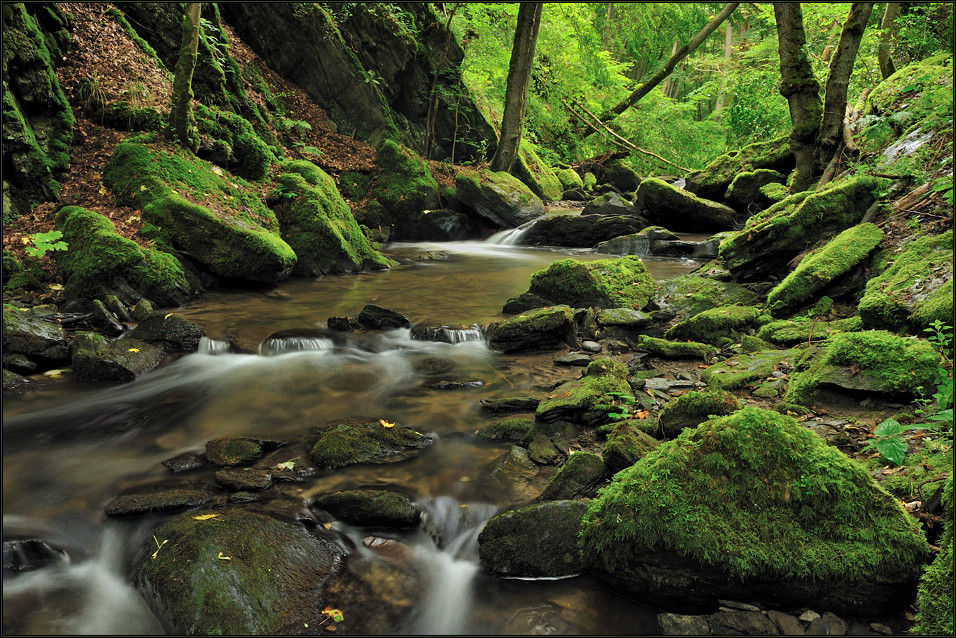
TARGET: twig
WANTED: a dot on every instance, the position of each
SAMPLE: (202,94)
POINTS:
(919,487)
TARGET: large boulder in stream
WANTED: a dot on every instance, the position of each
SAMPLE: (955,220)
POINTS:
(753,506)
(609,204)
(498,197)
(346,444)
(712,182)
(536,329)
(170,331)
(369,507)
(680,210)
(580,231)
(97,359)
(35,333)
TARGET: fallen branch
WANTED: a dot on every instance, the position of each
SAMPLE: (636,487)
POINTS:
(936,479)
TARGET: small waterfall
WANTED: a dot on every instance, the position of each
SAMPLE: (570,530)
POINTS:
(447,334)
(294,341)
(213,346)
(512,236)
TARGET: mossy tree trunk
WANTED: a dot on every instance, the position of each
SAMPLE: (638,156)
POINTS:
(838,81)
(800,87)
(519,77)
(887,28)
(181,118)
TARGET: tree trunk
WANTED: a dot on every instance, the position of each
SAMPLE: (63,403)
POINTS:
(668,88)
(801,89)
(838,80)
(608,18)
(519,77)
(181,114)
(669,66)
(887,27)
(728,52)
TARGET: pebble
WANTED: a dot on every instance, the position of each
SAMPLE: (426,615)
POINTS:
(809,616)
(880,628)
(591,346)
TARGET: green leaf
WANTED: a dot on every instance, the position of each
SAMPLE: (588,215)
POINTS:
(890,427)
(893,449)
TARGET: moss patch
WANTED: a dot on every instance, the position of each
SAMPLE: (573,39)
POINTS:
(345,444)
(608,283)
(517,429)
(746,369)
(404,188)
(675,349)
(716,326)
(587,400)
(691,409)
(787,332)
(690,294)
(712,181)
(936,609)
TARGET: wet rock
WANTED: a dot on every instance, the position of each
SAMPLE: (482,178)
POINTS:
(142,310)
(818,627)
(541,328)
(513,472)
(169,331)
(374,317)
(35,333)
(239,573)
(627,444)
(243,479)
(96,359)
(573,359)
(518,429)
(535,541)
(787,625)
(498,197)
(581,231)
(13,381)
(369,507)
(745,369)
(836,625)
(609,204)
(713,181)
(683,625)
(621,176)
(591,346)
(621,282)
(443,333)
(105,320)
(586,400)
(579,477)
(747,623)
(744,193)
(636,243)
(690,294)
(28,554)
(159,499)
(667,349)
(691,409)
(348,444)
(19,363)
(185,462)
(716,326)
(543,451)
(626,317)
(680,210)
(511,404)
(234,450)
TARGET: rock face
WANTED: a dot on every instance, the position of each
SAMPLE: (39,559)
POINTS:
(498,197)
(535,541)
(775,236)
(333,57)
(679,210)
(753,506)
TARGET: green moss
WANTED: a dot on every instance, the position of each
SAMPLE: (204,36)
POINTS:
(405,186)
(821,267)
(517,429)
(590,181)
(354,185)
(537,175)
(908,83)
(712,181)
(762,498)
(675,349)
(691,294)
(607,368)
(746,369)
(609,283)
(26,276)
(691,409)
(569,178)
(935,598)
(370,507)
(586,400)
(345,444)
(875,360)
(774,192)
(250,157)
(627,444)
(717,325)
(579,477)
(787,332)
(915,289)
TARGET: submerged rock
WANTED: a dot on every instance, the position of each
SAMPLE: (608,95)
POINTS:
(369,507)
(753,506)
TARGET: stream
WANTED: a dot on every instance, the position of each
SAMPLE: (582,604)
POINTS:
(69,448)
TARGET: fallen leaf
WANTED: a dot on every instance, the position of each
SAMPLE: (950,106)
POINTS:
(205,517)
(221,557)
(103,190)
(167,316)
(132,349)
(142,187)
(288,465)
(386,424)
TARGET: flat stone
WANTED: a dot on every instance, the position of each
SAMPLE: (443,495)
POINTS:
(838,626)
(809,616)
(243,479)
(184,462)
(733,604)
(591,346)
(787,624)
(573,359)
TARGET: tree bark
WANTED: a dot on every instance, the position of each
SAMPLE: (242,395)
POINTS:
(838,81)
(181,117)
(728,52)
(887,27)
(801,89)
(671,64)
(519,77)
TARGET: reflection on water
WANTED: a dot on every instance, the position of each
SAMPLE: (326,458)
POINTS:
(269,368)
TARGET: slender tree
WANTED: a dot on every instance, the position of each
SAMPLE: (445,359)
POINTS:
(181,117)
(800,87)
(519,77)
(887,26)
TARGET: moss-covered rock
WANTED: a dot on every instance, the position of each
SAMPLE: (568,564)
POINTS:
(691,409)
(231,232)
(688,295)
(753,505)
(34,333)
(370,507)
(607,283)
(587,400)
(239,573)
(172,332)
(405,186)
(627,444)
(516,429)
(233,142)
(745,193)
(787,332)
(937,613)
(746,369)
(824,266)
(539,328)
(668,349)
(100,260)
(319,225)
(915,288)
(95,359)
(621,176)
(348,444)
(500,198)
(535,541)
(868,361)
(679,210)
(712,182)
(775,236)
(569,178)
(585,230)
(537,175)
(228,451)
(716,326)
(579,477)
(907,84)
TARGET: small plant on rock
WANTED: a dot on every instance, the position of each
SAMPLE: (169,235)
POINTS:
(44,243)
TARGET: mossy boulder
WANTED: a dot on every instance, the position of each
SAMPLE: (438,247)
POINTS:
(95,358)
(609,204)
(35,333)
(349,444)
(642,243)
(539,328)
(516,429)
(627,444)
(873,361)
(569,178)
(582,231)
(319,225)
(667,349)
(369,507)
(405,186)
(154,500)
(99,260)
(231,232)
(533,542)
(747,369)
(691,409)
(587,400)
(621,176)
(775,236)
(745,194)
(915,287)
(753,505)
(787,332)
(908,84)
(712,182)
(680,210)
(234,143)
(172,332)
(690,294)
(716,326)
(622,282)
(239,573)
(498,197)
(824,266)
(537,175)
(937,612)
(228,451)
(579,477)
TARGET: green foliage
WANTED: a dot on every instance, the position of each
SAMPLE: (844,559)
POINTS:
(45,242)
(889,442)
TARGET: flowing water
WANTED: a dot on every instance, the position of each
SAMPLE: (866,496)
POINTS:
(270,369)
